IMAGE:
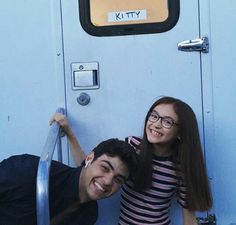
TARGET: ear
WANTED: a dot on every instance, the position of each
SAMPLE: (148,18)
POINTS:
(178,137)
(89,159)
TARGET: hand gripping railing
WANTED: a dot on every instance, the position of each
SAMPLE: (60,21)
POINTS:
(42,191)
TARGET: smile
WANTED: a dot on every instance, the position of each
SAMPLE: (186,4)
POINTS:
(99,186)
(156,133)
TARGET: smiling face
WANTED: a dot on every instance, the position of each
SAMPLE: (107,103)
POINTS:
(158,135)
(102,178)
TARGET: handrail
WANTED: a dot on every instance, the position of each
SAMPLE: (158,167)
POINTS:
(42,183)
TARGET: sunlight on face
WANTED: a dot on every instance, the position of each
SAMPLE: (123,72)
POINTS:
(105,176)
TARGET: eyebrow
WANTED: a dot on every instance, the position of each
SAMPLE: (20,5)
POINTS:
(163,116)
(112,168)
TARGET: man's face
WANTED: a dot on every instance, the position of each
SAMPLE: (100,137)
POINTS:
(103,177)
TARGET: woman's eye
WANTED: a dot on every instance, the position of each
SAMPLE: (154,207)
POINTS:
(168,122)
(154,115)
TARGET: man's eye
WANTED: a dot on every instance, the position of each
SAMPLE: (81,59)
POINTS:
(119,180)
(104,168)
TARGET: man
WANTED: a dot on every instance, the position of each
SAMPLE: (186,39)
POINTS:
(72,191)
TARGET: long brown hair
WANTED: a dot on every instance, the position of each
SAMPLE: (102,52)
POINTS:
(187,153)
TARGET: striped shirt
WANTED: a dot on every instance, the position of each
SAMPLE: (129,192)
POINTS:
(152,205)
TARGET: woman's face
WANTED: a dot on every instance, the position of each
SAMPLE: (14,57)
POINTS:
(161,127)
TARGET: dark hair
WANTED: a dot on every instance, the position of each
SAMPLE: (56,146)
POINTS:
(117,148)
(187,154)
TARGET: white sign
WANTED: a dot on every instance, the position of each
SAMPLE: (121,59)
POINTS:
(127,15)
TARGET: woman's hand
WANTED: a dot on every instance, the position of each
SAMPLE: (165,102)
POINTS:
(189,217)
(62,121)
(75,148)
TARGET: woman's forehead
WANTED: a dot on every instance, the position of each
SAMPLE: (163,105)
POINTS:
(166,110)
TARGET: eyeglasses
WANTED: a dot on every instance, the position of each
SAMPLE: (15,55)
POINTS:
(166,122)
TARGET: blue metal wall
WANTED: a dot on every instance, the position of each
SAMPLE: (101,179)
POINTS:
(32,86)
(221,153)
(31,76)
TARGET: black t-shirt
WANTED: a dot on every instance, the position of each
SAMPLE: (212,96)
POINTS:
(18,192)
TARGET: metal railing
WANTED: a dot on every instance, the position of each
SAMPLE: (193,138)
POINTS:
(42,183)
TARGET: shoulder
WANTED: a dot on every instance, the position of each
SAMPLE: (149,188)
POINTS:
(20,160)
(19,169)
(133,141)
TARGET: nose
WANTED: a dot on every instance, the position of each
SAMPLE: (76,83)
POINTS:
(158,123)
(108,179)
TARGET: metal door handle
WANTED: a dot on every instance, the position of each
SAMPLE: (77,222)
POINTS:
(199,44)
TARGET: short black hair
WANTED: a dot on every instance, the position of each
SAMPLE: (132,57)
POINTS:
(117,148)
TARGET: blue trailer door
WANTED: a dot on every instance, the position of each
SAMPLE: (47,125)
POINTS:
(111,80)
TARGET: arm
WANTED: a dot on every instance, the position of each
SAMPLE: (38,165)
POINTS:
(76,150)
(189,217)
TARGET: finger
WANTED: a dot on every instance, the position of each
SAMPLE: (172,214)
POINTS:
(56,117)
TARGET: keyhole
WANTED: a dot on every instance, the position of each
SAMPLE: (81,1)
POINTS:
(83,99)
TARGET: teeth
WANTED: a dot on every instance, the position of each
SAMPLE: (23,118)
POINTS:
(155,133)
(99,186)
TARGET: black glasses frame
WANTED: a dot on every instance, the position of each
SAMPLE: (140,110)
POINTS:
(166,122)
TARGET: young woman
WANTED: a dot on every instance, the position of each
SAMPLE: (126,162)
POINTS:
(171,164)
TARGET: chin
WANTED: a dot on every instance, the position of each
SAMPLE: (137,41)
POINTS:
(94,198)
(153,140)
(98,197)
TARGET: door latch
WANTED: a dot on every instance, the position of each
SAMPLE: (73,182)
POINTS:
(209,220)
(199,44)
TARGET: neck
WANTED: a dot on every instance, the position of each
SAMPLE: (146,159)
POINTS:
(83,197)
(162,150)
